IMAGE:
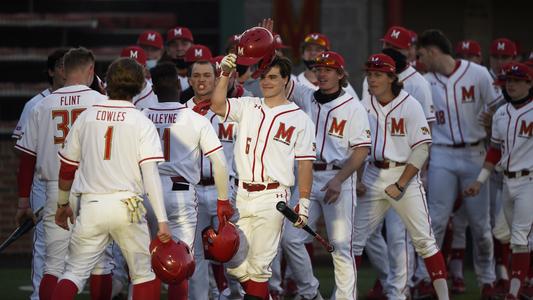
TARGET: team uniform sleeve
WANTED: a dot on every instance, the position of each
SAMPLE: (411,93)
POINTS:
(28,141)
(71,149)
(359,128)
(209,142)
(349,89)
(496,136)
(365,94)
(490,94)
(301,95)
(235,108)
(305,146)
(422,93)
(150,145)
(417,126)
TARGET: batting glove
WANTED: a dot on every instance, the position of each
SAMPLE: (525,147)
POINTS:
(302,209)
(136,208)
(224,210)
(228,64)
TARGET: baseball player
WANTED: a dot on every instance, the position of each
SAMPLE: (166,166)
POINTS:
(194,53)
(186,137)
(273,134)
(400,146)
(343,141)
(502,51)
(511,148)
(179,40)
(146,98)
(108,148)
(469,50)
(44,133)
(312,46)
(152,44)
(26,207)
(461,92)
(397,43)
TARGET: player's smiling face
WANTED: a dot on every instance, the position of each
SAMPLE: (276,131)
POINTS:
(328,79)
(202,79)
(272,84)
(379,83)
(517,88)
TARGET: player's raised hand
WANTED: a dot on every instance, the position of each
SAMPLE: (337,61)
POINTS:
(163,232)
(333,190)
(473,189)
(267,23)
(63,215)
(228,63)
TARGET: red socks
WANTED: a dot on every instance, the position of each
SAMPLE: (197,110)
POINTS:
(47,286)
(66,290)
(179,291)
(436,266)
(256,289)
(149,290)
(519,265)
(220,276)
(101,286)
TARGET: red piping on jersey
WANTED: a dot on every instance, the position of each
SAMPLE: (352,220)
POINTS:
(227,111)
(42,95)
(256,140)
(447,106)
(292,89)
(143,97)
(150,158)
(266,139)
(306,156)
(514,134)
(325,126)
(361,145)
(495,101)
(209,152)
(455,100)
(317,117)
(68,161)
(112,106)
(406,77)
(19,147)
(377,126)
(72,92)
(420,142)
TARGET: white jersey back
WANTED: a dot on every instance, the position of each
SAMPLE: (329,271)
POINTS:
(17,132)
(270,139)
(459,100)
(396,128)
(110,140)
(303,80)
(146,98)
(341,124)
(227,134)
(513,129)
(417,86)
(185,137)
(50,122)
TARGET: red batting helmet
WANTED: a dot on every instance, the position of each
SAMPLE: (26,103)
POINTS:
(256,45)
(221,246)
(172,261)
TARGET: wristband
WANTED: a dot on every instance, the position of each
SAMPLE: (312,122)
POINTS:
(483,175)
(62,198)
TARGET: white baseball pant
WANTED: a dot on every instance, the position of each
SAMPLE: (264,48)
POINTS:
(37,200)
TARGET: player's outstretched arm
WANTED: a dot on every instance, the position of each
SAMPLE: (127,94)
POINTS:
(154,192)
(491,159)
(305,182)
(415,162)
(218,101)
(220,174)
(24,180)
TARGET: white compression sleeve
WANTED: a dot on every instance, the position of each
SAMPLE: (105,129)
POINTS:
(220,173)
(153,189)
(419,155)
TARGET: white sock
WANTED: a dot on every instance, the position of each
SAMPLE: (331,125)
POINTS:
(441,287)
(514,287)
(501,272)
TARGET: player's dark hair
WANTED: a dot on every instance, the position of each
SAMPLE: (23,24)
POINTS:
(396,85)
(344,80)
(77,57)
(189,70)
(165,82)
(125,79)
(435,37)
(284,64)
(54,59)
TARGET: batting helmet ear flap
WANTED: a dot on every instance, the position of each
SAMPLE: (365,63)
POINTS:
(172,261)
(221,246)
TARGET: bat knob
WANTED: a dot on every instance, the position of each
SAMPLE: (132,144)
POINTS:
(331,249)
(280,206)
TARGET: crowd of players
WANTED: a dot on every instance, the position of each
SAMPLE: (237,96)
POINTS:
(417,92)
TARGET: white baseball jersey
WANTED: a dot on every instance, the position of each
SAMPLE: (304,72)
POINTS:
(417,86)
(396,127)
(117,139)
(270,139)
(227,133)
(513,129)
(303,80)
(458,100)
(146,98)
(185,137)
(341,124)
(50,122)
(17,133)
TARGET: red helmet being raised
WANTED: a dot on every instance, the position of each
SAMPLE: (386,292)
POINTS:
(256,45)
(172,261)
(221,246)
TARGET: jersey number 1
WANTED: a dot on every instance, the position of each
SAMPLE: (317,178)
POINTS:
(108,142)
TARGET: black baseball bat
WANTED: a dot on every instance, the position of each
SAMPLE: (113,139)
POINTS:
(21,230)
(293,217)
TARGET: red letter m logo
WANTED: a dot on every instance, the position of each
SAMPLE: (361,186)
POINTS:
(337,129)
(283,135)
(468,95)
(397,127)
(526,130)
(225,133)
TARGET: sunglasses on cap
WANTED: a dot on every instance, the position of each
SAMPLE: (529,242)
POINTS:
(316,40)
(378,64)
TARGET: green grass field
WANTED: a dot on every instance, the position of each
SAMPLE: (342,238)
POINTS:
(17,286)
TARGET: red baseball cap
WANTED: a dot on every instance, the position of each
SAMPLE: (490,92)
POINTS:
(503,46)
(179,32)
(198,52)
(150,38)
(398,37)
(329,59)
(278,42)
(515,70)
(468,47)
(381,63)
(317,39)
(136,53)
(414,37)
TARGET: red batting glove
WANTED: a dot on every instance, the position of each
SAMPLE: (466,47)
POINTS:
(224,210)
